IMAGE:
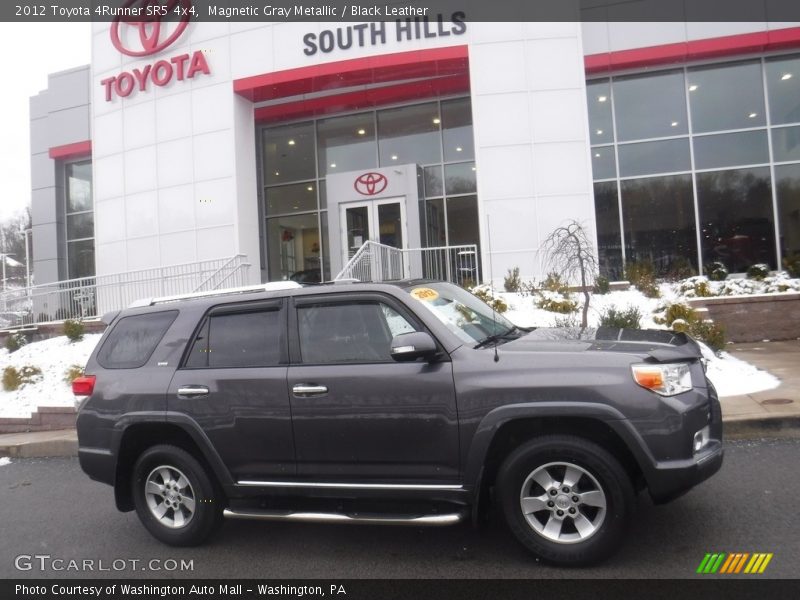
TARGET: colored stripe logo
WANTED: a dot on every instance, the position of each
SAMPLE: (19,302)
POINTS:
(734,563)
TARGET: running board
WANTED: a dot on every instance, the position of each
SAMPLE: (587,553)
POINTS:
(372,519)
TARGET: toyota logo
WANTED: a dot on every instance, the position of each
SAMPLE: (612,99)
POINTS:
(370,184)
(148,24)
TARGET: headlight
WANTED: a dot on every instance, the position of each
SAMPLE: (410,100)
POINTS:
(665,380)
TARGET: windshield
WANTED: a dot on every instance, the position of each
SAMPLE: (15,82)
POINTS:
(465,315)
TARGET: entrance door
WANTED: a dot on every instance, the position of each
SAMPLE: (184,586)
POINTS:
(382,221)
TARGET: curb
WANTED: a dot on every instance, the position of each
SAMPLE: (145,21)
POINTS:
(66,445)
(779,426)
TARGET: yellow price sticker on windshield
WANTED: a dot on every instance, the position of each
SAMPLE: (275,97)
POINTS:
(426,294)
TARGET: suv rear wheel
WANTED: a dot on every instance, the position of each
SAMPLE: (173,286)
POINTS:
(566,499)
(174,497)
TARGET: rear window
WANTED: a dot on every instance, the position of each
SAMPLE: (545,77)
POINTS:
(134,339)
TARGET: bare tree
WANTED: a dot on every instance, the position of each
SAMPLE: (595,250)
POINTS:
(569,252)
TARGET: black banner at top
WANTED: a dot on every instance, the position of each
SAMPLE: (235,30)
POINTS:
(390,10)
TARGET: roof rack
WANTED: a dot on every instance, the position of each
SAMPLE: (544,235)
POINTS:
(272,286)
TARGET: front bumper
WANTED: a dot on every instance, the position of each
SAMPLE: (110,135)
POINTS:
(670,480)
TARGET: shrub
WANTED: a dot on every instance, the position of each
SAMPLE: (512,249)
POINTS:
(553,283)
(680,268)
(511,282)
(567,322)
(642,274)
(675,312)
(14,378)
(629,318)
(712,334)
(759,272)
(601,285)
(527,288)
(716,271)
(497,304)
(564,306)
(792,265)
(15,341)
(72,373)
(74,330)
(683,318)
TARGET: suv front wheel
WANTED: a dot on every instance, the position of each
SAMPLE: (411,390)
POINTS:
(566,499)
(174,497)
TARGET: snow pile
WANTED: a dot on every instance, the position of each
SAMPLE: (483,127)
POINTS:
(773,284)
(53,357)
(5,461)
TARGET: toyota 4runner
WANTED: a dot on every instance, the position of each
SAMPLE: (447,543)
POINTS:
(397,403)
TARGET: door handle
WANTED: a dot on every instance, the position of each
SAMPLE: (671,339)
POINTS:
(192,391)
(306,389)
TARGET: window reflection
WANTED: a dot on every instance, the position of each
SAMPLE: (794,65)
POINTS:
(289,153)
(346,143)
(731,149)
(409,134)
(726,97)
(783,85)
(787,182)
(658,215)
(609,248)
(457,130)
(736,217)
(647,158)
(650,106)
(603,166)
(294,248)
(598,98)
(786,143)
(80,220)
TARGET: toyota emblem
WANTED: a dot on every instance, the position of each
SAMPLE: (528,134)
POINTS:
(370,184)
(148,27)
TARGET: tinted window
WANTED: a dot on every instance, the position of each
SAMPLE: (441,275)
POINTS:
(247,339)
(646,158)
(649,106)
(343,333)
(133,340)
(730,149)
(598,97)
(726,97)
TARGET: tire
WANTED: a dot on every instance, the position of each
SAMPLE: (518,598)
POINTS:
(589,529)
(170,482)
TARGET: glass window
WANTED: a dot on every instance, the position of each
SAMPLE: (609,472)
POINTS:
(433,182)
(79,186)
(783,86)
(294,248)
(462,221)
(80,259)
(650,106)
(436,224)
(646,158)
(457,136)
(289,153)
(460,178)
(346,333)
(298,197)
(603,165)
(598,97)
(346,143)
(609,240)
(730,149)
(659,222)
(247,339)
(80,226)
(736,218)
(409,135)
(726,97)
(787,180)
(134,339)
(786,144)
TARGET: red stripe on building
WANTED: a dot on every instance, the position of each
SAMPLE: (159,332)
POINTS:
(731,45)
(76,150)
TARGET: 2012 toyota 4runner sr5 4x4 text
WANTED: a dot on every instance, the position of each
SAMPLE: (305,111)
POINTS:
(397,403)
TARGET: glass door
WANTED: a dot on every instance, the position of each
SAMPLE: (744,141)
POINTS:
(381,221)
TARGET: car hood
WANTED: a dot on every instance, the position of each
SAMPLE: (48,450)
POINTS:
(654,344)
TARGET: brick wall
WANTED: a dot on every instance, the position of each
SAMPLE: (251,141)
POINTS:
(46,418)
(755,318)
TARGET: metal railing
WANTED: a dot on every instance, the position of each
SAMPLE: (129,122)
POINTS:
(379,262)
(90,297)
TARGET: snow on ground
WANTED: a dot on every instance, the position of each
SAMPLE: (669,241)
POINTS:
(731,376)
(5,461)
(53,357)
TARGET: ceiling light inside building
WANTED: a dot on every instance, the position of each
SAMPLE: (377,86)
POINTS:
(362,131)
(602,98)
(473,168)
(436,120)
(333,165)
(674,124)
(599,132)
(692,88)
(291,142)
(394,156)
(459,148)
(310,188)
(752,115)
(786,76)
(597,155)
(277,173)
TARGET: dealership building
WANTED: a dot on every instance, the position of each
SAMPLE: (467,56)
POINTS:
(291,144)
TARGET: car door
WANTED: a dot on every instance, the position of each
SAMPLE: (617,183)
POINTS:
(357,414)
(232,384)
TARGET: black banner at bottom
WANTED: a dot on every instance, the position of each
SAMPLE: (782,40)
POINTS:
(732,588)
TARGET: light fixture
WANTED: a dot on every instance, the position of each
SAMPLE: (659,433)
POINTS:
(361,131)
(459,148)
(295,207)
(752,115)
(291,142)
(277,173)
(597,155)
(786,76)
(310,188)
(692,88)
(394,156)
(436,120)
(333,165)
(599,132)
(673,124)
(473,168)
(602,98)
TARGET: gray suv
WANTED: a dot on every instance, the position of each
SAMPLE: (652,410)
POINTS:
(403,403)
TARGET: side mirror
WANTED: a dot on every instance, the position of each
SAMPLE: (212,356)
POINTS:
(408,347)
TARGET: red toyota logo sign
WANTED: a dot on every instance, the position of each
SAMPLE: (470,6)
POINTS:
(150,38)
(370,184)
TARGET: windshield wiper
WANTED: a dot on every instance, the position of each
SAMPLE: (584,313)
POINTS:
(497,337)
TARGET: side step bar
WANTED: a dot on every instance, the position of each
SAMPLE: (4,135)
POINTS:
(371,519)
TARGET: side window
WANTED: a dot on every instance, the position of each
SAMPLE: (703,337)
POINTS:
(246,339)
(349,332)
(133,340)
